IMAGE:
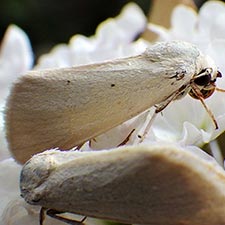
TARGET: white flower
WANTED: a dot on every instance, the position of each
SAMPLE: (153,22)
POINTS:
(184,122)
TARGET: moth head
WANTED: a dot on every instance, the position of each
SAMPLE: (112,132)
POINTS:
(34,173)
(203,83)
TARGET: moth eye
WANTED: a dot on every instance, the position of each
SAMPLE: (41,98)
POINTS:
(203,79)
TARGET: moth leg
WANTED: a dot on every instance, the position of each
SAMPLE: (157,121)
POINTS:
(78,147)
(147,128)
(159,108)
(181,92)
(126,139)
(90,142)
(219,89)
(42,215)
(53,213)
(198,93)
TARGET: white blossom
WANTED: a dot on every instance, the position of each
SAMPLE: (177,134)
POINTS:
(184,124)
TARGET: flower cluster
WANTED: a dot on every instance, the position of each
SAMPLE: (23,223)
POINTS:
(184,123)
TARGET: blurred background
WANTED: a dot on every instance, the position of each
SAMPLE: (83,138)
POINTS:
(49,22)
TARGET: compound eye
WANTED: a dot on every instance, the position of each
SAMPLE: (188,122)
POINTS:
(203,80)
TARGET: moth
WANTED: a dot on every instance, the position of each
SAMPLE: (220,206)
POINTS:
(66,107)
(133,185)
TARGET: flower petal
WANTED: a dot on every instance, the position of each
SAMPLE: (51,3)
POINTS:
(183,15)
(209,15)
(15,58)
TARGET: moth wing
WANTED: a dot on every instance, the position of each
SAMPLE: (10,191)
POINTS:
(66,107)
